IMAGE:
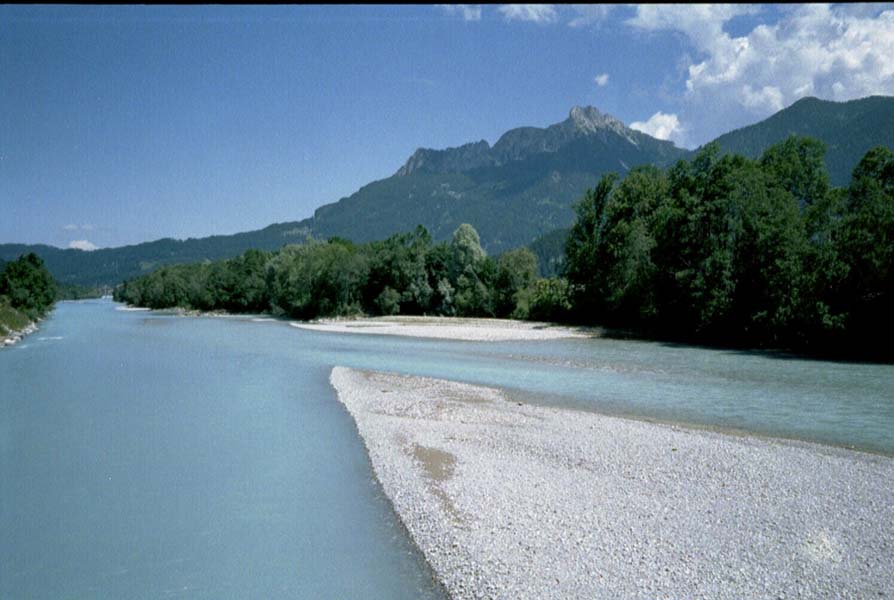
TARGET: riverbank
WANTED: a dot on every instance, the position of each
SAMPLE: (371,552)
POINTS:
(14,326)
(454,328)
(10,337)
(509,500)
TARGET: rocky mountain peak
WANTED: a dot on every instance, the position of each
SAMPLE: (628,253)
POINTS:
(588,119)
(523,142)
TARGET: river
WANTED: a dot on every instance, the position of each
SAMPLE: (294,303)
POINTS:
(145,455)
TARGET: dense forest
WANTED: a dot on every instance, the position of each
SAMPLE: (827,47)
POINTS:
(27,292)
(719,249)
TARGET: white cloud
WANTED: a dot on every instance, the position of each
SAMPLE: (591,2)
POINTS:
(589,14)
(864,9)
(662,126)
(703,23)
(469,12)
(575,15)
(837,53)
(537,13)
(769,97)
(70,227)
(82,245)
(601,79)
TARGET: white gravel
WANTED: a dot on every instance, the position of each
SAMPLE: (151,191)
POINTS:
(509,500)
(454,328)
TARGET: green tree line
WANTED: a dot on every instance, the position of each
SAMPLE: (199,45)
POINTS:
(719,249)
(404,274)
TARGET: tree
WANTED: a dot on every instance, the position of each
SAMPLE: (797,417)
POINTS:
(388,302)
(626,244)
(249,291)
(471,272)
(768,259)
(582,267)
(28,285)
(696,231)
(438,262)
(544,300)
(516,270)
(866,244)
(466,247)
(319,279)
(399,264)
(798,164)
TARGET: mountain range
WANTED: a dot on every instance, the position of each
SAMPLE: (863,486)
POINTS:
(521,188)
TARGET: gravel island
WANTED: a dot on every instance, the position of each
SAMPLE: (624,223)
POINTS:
(511,500)
(453,328)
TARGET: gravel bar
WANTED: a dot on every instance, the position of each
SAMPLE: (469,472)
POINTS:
(453,328)
(511,500)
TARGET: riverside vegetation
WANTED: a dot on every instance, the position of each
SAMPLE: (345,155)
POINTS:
(719,249)
(27,292)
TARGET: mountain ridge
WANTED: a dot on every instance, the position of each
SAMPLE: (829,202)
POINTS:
(849,129)
(520,143)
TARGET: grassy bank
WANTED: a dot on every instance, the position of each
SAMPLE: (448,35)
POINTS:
(10,318)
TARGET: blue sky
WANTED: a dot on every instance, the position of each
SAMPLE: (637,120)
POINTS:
(124,124)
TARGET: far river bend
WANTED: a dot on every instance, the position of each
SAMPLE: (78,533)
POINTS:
(145,455)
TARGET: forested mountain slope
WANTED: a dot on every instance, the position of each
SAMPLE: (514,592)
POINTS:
(849,130)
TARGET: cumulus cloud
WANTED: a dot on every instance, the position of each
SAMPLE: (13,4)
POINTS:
(469,12)
(662,126)
(601,79)
(537,13)
(82,245)
(838,53)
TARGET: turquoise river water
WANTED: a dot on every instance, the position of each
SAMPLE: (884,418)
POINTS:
(145,455)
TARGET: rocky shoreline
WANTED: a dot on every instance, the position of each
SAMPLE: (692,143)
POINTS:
(509,500)
(12,337)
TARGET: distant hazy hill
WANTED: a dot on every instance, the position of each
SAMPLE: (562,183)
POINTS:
(110,266)
(849,129)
